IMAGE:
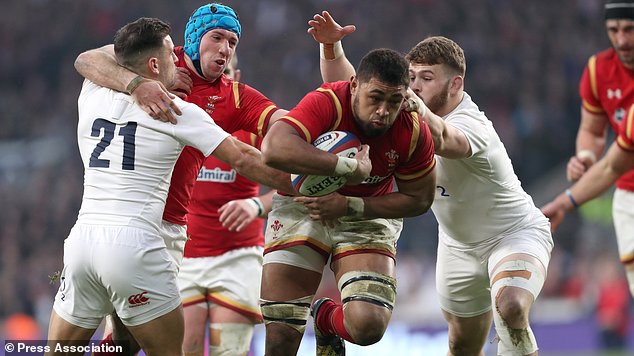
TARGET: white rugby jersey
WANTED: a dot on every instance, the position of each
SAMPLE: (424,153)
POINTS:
(479,197)
(128,157)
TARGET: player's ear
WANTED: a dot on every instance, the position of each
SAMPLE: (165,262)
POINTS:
(354,84)
(456,84)
(153,65)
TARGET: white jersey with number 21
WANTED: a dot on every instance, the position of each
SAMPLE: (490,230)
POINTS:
(128,157)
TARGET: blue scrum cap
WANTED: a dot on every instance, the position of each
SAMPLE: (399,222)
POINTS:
(205,19)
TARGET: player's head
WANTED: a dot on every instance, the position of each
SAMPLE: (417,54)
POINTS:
(378,90)
(232,70)
(145,47)
(619,22)
(437,68)
(211,36)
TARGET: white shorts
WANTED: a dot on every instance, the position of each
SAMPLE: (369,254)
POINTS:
(463,271)
(623,216)
(290,231)
(175,237)
(115,268)
(231,280)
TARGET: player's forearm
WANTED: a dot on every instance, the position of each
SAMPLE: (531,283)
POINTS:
(336,69)
(333,63)
(396,205)
(100,66)
(283,149)
(250,165)
(591,185)
(588,141)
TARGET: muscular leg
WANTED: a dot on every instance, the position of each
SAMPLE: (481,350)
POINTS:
(195,324)
(365,316)
(163,335)
(59,330)
(517,280)
(468,335)
(230,332)
(281,282)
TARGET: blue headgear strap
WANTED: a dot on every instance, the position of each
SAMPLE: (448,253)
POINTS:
(203,20)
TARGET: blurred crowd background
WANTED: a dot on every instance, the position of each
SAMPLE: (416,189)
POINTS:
(524,61)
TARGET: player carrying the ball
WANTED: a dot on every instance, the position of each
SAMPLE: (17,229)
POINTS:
(358,226)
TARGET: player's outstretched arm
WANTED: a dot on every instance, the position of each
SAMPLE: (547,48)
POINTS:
(593,183)
(100,66)
(449,142)
(328,33)
(247,161)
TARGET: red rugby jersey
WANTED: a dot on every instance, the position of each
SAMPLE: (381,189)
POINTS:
(607,87)
(233,106)
(625,139)
(404,152)
(217,184)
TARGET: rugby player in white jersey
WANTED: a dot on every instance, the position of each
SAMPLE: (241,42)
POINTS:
(494,243)
(114,258)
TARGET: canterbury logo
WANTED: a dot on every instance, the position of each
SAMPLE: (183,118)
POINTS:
(137,300)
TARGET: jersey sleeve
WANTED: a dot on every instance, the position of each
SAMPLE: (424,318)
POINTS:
(474,129)
(420,160)
(195,128)
(315,114)
(254,109)
(625,139)
(588,89)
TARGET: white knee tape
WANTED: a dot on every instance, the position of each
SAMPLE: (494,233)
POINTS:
(230,339)
(293,313)
(533,281)
(529,277)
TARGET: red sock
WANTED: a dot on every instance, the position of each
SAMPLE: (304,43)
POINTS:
(107,340)
(330,320)
(337,323)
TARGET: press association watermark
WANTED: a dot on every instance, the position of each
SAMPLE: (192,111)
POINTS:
(39,347)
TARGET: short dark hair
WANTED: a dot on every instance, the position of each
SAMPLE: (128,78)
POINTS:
(135,42)
(438,50)
(385,65)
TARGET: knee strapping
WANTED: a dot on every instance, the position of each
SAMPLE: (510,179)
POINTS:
(230,339)
(529,277)
(293,313)
(370,287)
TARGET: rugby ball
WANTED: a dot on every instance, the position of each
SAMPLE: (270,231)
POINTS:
(341,143)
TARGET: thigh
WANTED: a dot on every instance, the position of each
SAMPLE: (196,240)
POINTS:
(60,330)
(161,336)
(285,282)
(462,281)
(468,335)
(376,236)
(81,299)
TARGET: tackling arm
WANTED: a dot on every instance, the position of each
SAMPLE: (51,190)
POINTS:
(449,141)
(247,161)
(100,67)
